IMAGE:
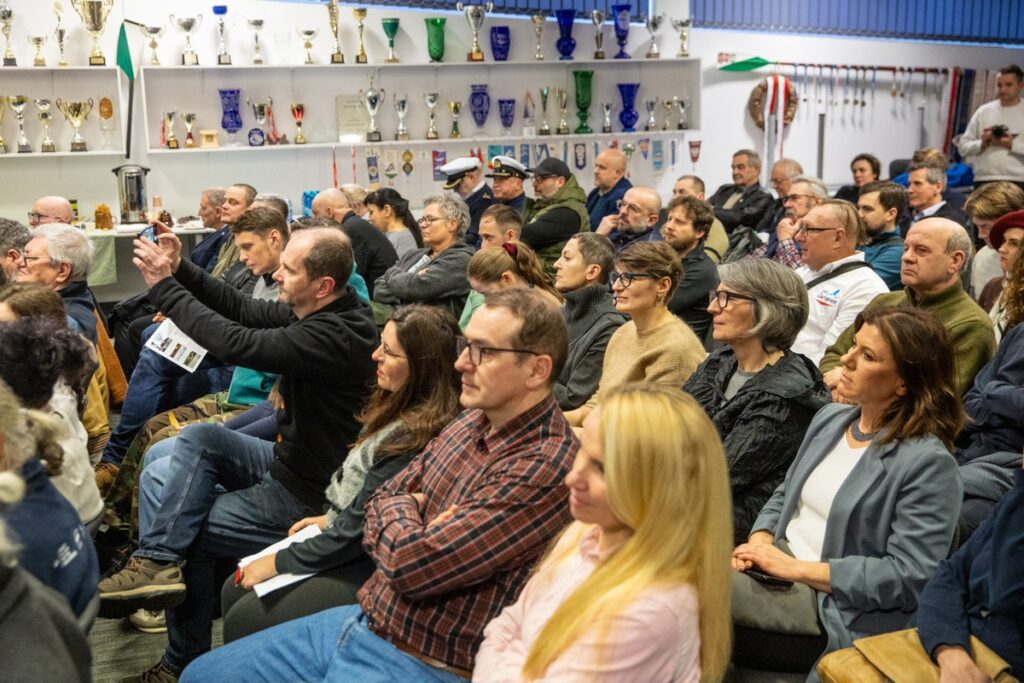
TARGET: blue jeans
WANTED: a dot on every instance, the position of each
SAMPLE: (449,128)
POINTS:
(333,645)
(157,385)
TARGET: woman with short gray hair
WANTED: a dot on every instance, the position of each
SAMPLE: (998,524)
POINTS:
(760,395)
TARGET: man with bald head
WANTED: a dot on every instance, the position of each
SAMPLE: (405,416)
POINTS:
(784,172)
(635,221)
(934,253)
(51,209)
(373,251)
(610,185)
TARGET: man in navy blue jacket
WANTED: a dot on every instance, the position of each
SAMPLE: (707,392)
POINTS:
(610,185)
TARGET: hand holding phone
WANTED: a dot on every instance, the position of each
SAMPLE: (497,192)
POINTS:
(768,579)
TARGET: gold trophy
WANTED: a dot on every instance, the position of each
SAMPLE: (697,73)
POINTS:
(307,35)
(18,104)
(38,42)
(332,15)
(43,106)
(7,17)
(298,112)
(153,32)
(360,16)
(60,33)
(171,139)
(455,108)
(94,16)
(76,113)
(190,122)
(538,29)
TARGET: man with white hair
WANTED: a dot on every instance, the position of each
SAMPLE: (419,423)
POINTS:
(59,257)
(805,192)
(934,254)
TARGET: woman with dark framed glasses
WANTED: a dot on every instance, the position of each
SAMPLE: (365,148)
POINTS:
(760,395)
(655,345)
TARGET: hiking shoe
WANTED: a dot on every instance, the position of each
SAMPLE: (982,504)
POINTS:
(160,673)
(149,621)
(144,584)
(105,473)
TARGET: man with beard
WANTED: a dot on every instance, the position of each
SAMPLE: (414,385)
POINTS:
(689,220)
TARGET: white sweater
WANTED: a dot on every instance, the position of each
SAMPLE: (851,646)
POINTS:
(995,162)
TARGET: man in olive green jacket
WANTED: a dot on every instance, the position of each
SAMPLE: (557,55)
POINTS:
(559,211)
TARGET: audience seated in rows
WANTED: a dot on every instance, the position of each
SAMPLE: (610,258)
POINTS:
(655,345)
(716,244)
(881,204)
(558,211)
(868,508)
(610,185)
(389,213)
(374,253)
(866,169)
(744,203)
(685,230)
(760,395)
(454,535)
(581,276)
(805,193)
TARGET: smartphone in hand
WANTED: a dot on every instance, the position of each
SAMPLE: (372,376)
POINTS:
(148,233)
(768,579)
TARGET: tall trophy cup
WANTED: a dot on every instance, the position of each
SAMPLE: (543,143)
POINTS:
(190,122)
(430,99)
(170,138)
(153,32)
(562,96)
(435,38)
(682,123)
(668,106)
(7,18)
(94,16)
(390,26)
(584,81)
(43,107)
(597,17)
(59,33)
(620,22)
(298,113)
(187,25)
(18,103)
(538,29)
(223,57)
(76,112)
(653,23)
(332,18)
(683,27)
(307,35)
(606,109)
(257,137)
(401,111)
(475,15)
(256,25)
(455,108)
(651,106)
(372,99)
(359,14)
(38,42)
(545,129)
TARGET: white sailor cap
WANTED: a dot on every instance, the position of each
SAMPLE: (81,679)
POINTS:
(507,167)
(457,168)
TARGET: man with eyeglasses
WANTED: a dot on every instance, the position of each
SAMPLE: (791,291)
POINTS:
(51,209)
(783,173)
(558,212)
(13,238)
(840,282)
(635,221)
(805,193)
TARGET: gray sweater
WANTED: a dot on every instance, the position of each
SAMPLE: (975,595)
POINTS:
(418,278)
(592,319)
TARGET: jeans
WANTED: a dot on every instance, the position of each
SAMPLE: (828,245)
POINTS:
(260,420)
(157,385)
(333,645)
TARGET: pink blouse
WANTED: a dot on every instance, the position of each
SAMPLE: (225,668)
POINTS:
(656,639)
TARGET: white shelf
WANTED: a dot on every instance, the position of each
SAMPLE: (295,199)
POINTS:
(423,65)
(11,154)
(56,69)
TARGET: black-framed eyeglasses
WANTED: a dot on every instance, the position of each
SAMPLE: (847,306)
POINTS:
(722,297)
(631,208)
(34,217)
(430,220)
(386,350)
(477,352)
(25,259)
(627,278)
(795,196)
(810,229)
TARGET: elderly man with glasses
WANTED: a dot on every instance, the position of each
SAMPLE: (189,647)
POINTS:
(804,194)
(635,221)
(50,209)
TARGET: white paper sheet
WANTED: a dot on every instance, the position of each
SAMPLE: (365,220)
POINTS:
(281,580)
(176,346)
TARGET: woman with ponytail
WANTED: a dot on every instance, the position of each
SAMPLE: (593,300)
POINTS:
(638,587)
(389,213)
(513,264)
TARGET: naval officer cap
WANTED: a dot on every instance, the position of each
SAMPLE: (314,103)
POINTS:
(507,167)
(457,168)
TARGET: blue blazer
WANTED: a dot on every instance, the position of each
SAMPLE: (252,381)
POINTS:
(891,523)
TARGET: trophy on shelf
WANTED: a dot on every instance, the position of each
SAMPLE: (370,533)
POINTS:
(231,118)
(3,143)
(653,22)
(38,42)
(682,123)
(359,14)
(529,113)
(76,112)
(545,129)
(401,111)
(59,33)
(683,27)
(507,114)
(562,97)
(171,141)
(501,42)
(18,103)
(390,26)
(566,44)
(332,18)
(455,108)
(479,105)
(7,18)
(43,107)
(651,106)
(620,22)
(475,15)
(256,25)
(430,100)
(607,108)
(307,35)
(258,138)
(298,113)
(597,17)
(94,16)
(668,106)
(190,122)
(106,111)
(153,32)
(371,100)
(223,57)
(435,38)
(538,29)
(628,116)
(584,81)
(187,25)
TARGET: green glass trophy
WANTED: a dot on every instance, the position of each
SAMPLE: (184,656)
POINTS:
(435,38)
(390,30)
(584,80)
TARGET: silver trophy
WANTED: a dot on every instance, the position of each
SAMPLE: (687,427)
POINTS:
(653,23)
(260,111)
(597,17)
(223,57)
(307,35)
(431,99)
(256,25)
(18,103)
(682,123)
(475,15)
(371,99)
(401,111)
(332,17)
(153,32)
(7,18)
(188,25)
(562,97)
(683,27)
(607,108)
(668,106)
(59,33)
(545,129)
(45,117)
(651,106)
(171,140)
(538,29)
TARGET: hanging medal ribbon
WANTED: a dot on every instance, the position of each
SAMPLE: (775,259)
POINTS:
(439,158)
(565,153)
(579,153)
(776,102)
(354,176)
(672,152)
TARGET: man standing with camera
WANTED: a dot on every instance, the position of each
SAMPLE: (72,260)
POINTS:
(992,142)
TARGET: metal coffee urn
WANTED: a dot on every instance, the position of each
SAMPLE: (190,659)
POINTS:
(131,191)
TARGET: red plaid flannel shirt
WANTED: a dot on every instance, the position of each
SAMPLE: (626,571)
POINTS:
(437,587)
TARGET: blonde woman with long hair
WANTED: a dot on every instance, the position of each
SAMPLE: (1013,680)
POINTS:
(638,587)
